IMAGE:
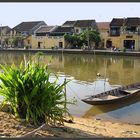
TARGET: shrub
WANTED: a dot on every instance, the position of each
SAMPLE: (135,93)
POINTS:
(26,47)
(124,50)
(31,95)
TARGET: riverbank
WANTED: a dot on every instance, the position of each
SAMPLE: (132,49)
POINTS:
(80,128)
(75,51)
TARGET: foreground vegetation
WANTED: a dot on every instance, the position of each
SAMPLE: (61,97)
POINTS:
(31,95)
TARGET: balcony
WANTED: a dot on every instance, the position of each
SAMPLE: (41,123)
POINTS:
(130,32)
(114,33)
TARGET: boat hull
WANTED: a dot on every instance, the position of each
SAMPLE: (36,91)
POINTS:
(119,94)
(103,102)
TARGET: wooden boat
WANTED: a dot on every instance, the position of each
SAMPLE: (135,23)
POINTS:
(114,95)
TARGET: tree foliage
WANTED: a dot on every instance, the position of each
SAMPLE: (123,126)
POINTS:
(83,38)
(16,40)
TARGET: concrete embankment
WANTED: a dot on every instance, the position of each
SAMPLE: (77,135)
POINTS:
(75,51)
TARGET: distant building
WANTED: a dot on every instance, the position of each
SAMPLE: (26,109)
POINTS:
(4,33)
(50,36)
(24,30)
(103,28)
(44,30)
(124,33)
(69,24)
(40,39)
(53,36)
(81,25)
(58,35)
(27,28)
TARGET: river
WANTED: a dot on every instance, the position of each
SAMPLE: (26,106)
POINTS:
(81,70)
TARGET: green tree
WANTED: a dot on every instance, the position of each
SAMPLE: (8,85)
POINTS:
(16,41)
(92,37)
(87,37)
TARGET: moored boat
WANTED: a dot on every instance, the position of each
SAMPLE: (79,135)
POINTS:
(114,95)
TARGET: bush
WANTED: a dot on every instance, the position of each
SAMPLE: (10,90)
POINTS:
(27,47)
(31,95)
(124,50)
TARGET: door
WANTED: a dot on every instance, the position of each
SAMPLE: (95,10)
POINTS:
(129,44)
(60,44)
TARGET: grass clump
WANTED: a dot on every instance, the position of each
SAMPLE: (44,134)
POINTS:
(31,94)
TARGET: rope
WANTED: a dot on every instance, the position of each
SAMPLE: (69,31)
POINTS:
(74,92)
(105,76)
(94,86)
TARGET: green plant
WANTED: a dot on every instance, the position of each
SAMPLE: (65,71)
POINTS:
(27,47)
(124,50)
(31,94)
(16,40)
(88,35)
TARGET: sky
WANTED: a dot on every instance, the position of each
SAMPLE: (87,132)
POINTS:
(12,14)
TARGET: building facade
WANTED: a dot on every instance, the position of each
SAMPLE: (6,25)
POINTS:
(4,35)
(103,28)
(124,33)
(47,37)
(20,35)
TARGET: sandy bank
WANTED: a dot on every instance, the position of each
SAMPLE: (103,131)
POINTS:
(81,127)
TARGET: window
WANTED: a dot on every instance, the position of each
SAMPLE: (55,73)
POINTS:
(115,31)
(83,29)
(77,31)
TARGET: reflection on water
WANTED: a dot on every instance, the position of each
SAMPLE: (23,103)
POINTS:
(82,71)
(118,111)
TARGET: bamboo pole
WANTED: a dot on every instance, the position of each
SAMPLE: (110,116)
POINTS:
(65,94)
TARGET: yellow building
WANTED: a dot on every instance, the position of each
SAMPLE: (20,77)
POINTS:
(124,34)
(44,42)
(79,26)
(48,37)
(103,28)
(24,31)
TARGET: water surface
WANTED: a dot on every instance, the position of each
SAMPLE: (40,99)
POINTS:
(82,71)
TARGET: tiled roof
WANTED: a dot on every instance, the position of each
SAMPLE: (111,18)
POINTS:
(2,27)
(80,23)
(85,23)
(5,27)
(26,26)
(69,23)
(61,29)
(135,21)
(103,25)
(130,21)
(117,22)
(44,29)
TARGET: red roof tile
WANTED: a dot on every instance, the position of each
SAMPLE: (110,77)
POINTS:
(103,25)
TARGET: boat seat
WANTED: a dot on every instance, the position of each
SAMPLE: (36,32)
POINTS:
(130,91)
(108,97)
(97,99)
(111,97)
